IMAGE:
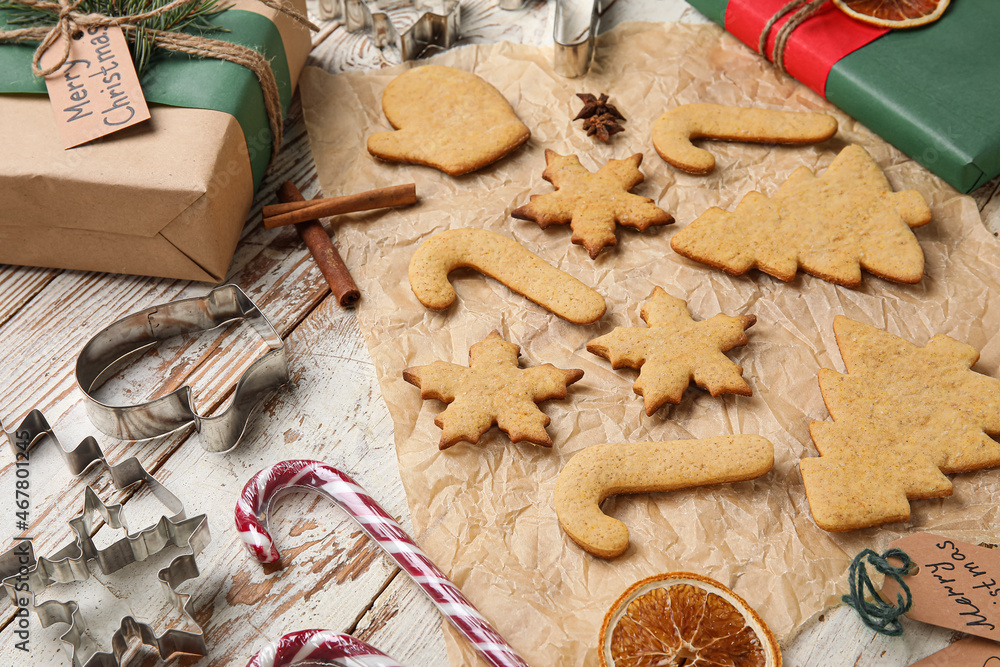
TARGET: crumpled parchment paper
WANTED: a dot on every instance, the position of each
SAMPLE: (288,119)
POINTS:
(485,512)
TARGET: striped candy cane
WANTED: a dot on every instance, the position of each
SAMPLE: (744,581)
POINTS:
(251,523)
(320,647)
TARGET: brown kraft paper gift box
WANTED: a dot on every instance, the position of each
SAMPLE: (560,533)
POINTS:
(165,198)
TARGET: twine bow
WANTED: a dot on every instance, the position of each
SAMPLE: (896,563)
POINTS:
(70,21)
(803,9)
(878,614)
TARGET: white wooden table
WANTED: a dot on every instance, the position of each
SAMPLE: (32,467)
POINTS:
(331,576)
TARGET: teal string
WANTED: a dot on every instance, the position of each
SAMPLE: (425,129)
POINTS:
(876,613)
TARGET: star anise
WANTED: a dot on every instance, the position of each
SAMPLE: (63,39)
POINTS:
(594,106)
(602,126)
(600,118)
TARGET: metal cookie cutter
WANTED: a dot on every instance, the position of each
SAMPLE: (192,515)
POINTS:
(32,430)
(70,565)
(21,573)
(574,31)
(437,27)
(35,427)
(121,342)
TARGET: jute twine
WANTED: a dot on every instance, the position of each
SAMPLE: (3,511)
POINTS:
(803,9)
(878,614)
(70,21)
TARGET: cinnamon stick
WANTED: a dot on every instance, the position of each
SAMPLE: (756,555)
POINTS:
(331,264)
(278,215)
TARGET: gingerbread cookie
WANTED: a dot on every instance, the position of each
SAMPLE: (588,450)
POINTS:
(447,119)
(505,260)
(673,132)
(492,390)
(674,349)
(902,416)
(831,227)
(592,202)
(642,467)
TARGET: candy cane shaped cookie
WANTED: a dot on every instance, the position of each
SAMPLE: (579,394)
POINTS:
(320,647)
(505,260)
(601,471)
(251,524)
(673,132)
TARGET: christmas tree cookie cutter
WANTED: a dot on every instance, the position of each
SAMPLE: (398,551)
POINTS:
(35,428)
(127,338)
(20,568)
(438,26)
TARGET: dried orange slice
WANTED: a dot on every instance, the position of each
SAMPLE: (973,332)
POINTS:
(680,618)
(894,13)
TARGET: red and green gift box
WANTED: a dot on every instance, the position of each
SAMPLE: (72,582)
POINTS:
(931,91)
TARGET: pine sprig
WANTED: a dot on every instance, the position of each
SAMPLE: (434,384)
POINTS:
(196,16)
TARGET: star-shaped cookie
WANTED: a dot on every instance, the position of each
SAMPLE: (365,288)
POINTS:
(674,349)
(492,390)
(593,202)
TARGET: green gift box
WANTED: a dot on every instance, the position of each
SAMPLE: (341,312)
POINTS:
(167,197)
(931,91)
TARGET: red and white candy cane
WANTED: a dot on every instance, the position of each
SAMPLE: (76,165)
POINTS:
(320,647)
(251,523)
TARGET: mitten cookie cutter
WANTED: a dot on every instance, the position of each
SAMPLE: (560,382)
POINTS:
(18,566)
(438,26)
(127,338)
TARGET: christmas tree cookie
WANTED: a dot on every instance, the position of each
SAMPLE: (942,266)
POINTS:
(903,416)
(830,226)
(674,349)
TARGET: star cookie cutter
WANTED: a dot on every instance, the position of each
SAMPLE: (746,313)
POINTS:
(437,27)
(70,564)
(19,567)
(127,338)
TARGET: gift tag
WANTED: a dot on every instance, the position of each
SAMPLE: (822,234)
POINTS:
(957,585)
(968,652)
(96,91)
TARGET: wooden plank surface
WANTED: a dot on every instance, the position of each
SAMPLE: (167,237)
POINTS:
(331,576)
